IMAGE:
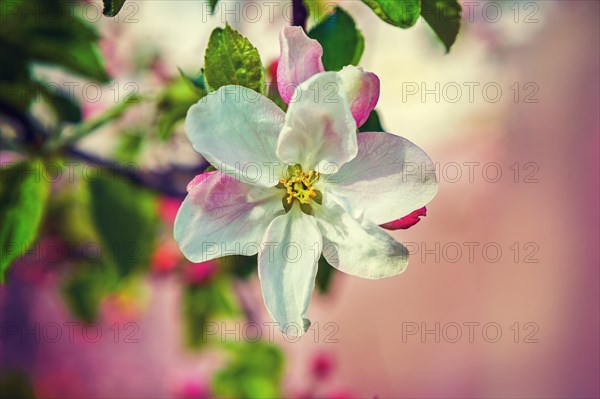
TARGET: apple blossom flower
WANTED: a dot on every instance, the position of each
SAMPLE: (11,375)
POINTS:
(293,186)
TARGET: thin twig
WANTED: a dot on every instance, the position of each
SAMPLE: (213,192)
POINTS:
(168,182)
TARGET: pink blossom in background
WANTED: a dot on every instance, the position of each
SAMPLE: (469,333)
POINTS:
(167,209)
(322,365)
(193,389)
(166,257)
(200,273)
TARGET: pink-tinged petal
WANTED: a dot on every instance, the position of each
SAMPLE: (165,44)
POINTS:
(300,59)
(198,179)
(362,90)
(407,221)
(224,216)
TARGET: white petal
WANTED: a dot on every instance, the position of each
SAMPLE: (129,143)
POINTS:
(287,267)
(358,247)
(319,131)
(223,216)
(389,178)
(236,130)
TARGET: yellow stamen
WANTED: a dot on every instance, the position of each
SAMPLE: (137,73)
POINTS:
(299,185)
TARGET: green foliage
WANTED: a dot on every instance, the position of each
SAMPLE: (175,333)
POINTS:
(16,385)
(343,44)
(112,7)
(52,35)
(201,303)
(401,13)
(444,17)
(23,196)
(57,38)
(64,105)
(373,124)
(68,48)
(68,213)
(239,265)
(231,59)
(175,101)
(125,218)
(325,274)
(17,95)
(213,5)
(255,370)
(196,84)
(85,288)
(130,145)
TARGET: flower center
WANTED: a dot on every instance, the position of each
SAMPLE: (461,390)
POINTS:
(300,186)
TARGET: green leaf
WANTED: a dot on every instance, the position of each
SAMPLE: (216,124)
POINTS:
(325,274)
(112,7)
(197,84)
(231,59)
(79,56)
(18,95)
(373,124)
(125,218)
(343,44)
(401,13)
(444,17)
(213,5)
(52,34)
(23,196)
(254,371)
